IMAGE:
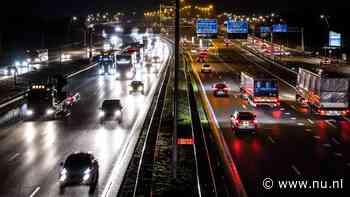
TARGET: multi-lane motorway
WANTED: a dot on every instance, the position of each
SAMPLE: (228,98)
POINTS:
(31,151)
(290,142)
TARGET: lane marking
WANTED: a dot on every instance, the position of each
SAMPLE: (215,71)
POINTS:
(310,121)
(330,124)
(308,130)
(300,124)
(293,118)
(296,170)
(282,109)
(346,118)
(287,113)
(34,192)
(317,137)
(13,157)
(338,154)
(327,145)
(335,141)
(271,140)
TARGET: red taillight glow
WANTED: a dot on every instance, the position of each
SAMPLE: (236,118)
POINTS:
(322,112)
(255,121)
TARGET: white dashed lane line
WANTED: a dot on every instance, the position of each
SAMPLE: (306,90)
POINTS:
(13,157)
(335,141)
(310,121)
(330,123)
(317,137)
(296,170)
(34,192)
(271,140)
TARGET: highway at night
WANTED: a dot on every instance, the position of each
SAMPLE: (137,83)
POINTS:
(289,141)
(31,151)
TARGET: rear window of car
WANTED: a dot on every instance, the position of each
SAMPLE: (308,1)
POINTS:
(245,116)
(110,104)
(220,86)
(78,161)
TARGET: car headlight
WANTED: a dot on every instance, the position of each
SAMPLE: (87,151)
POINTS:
(140,88)
(49,112)
(64,171)
(117,113)
(29,112)
(101,113)
(87,171)
(86,177)
(100,71)
(117,74)
(63,177)
(129,74)
(131,88)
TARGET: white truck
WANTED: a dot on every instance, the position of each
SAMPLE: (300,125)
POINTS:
(325,93)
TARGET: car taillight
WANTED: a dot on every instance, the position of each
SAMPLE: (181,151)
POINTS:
(226,89)
(322,112)
(345,112)
(255,121)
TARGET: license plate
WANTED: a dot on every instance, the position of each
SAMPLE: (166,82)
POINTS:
(333,113)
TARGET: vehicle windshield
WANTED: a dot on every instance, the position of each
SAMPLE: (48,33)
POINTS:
(77,162)
(245,116)
(220,86)
(110,104)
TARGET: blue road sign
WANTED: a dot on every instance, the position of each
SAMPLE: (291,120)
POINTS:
(207,26)
(280,28)
(240,27)
(334,39)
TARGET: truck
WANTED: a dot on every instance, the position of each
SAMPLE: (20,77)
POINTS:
(48,99)
(259,89)
(324,93)
(125,67)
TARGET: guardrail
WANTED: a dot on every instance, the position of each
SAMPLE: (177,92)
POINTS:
(133,182)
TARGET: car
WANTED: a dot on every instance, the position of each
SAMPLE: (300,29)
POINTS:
(78,169)
(220,89)
(326,61)
(206,68)
(243,121)
(136,86)
(111,109)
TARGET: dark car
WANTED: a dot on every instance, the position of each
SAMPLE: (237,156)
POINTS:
(206,68)
(136,86)
(244,121)
(111,109)
(220,89)
(79,169)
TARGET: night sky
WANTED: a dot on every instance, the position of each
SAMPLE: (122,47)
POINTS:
(24,19)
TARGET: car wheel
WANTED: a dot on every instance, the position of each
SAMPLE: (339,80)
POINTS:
(61,190)
(92,188)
